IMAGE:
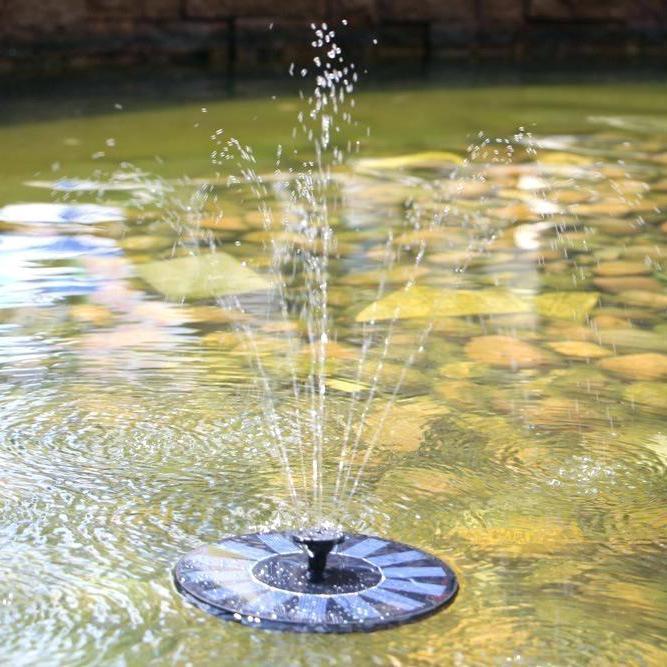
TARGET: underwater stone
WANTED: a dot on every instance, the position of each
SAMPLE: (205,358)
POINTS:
(506,351)
(422,301)
(650,394)
(628,283)
(425,160)
(201,277)
(581,349)
(647,366)
(613,269)
(643,298)
(633,338)
(566,305)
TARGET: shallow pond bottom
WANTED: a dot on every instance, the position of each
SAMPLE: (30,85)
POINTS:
(267,580)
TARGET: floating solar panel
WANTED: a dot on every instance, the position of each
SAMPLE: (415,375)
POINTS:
(269,580)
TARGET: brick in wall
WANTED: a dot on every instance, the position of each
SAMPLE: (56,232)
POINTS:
(501,11)
(121,9)
(427,10)
(354,11)
(43,17)
(218,9)
(647,14)
(578,10)
(161,10)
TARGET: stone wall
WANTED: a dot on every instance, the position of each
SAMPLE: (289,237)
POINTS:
(260,34)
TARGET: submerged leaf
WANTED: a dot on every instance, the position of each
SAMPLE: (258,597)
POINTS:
(420,301)
(201,277)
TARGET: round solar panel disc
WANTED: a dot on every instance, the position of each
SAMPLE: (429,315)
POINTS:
(262,580)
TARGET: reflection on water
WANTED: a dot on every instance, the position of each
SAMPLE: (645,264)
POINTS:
(526,447)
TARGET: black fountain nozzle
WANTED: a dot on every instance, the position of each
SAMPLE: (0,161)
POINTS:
(318,544)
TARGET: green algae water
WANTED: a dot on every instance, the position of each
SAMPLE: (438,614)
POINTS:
(526,444)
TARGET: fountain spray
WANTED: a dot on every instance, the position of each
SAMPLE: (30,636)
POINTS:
(315,579)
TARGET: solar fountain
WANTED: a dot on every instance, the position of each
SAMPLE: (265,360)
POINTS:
(315,581)
(316,577)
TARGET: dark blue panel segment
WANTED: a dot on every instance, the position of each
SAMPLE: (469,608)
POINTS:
(364,547)
(397,558)
(413,586)
(279,543)
(413,572)
(392,599)
(245,550)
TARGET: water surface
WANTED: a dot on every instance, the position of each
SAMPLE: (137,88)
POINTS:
(527,443)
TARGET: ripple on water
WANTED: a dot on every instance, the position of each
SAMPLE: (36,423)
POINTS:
(131,432)
(98,499)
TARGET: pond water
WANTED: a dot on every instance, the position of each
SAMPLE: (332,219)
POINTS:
(526,445)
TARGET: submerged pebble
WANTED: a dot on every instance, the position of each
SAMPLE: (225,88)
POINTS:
(579,349)
(506,352)
(636,297)
(613,269)
(651,395)
(648,366)
(628,283)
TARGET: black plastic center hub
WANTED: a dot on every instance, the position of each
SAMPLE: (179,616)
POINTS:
(318,543)
(343,574)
